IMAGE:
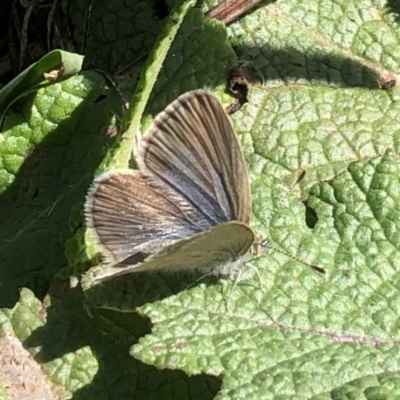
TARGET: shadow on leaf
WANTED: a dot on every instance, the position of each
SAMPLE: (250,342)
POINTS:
(101,363)
(394,7)
(133,290)
(54,177)
(263,64)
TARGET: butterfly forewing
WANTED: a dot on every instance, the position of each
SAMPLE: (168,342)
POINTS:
(192,148)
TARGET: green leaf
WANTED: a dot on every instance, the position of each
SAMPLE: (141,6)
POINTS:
(334,44)
(51,145)
(296,332)
(317,130)
(200,57)
(302,334)
(61,62)
(86,357)
(122,34)
(322,146)
(206,56)
(146,83)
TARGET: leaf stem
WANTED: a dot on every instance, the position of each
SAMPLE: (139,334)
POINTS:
(148,77)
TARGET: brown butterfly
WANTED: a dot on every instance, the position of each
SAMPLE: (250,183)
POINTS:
(188,206)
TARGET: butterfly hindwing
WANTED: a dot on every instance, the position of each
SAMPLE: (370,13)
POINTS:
(129,215)
(216,250)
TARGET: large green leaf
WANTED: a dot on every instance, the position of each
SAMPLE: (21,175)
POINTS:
(302,335)
(297,333)
(321,142)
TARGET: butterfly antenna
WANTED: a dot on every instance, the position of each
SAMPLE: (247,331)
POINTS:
(265,243)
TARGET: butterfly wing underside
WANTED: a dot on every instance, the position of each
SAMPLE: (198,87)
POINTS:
(217,250)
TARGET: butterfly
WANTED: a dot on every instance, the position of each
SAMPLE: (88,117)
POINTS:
(188,205)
